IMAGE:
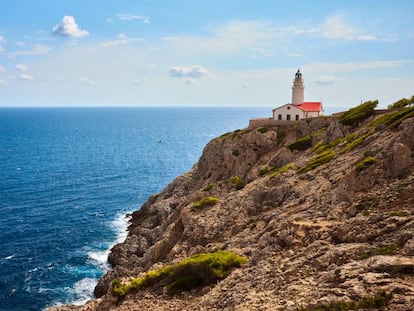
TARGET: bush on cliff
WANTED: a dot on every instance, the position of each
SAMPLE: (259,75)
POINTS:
(302,143)
(318,160)
(365,163)
(209,201)
(198,270)
(262,130)
(403,102)
(281,170)
(357,114)
(352,144)
(237,182)
(208,187)
(376,302)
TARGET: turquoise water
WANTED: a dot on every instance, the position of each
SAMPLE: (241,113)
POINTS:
(68,177)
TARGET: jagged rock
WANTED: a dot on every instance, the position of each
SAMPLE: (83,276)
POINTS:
(310,237)
(392,264)
(334,131)
(399,160)
(282,157)
(407,133)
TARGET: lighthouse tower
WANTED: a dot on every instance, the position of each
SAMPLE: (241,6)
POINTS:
(298,89)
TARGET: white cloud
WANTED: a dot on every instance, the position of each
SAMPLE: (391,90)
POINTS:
(367,37)
(2,82)
(261,52)
(20,43)
(356,66)
(2,69)
(335,27)
(69,28)
(190,72)
(295,55)
(88,81)
(244,85)
(25,77)
(121,39)
(131,17)
(21,68)
(228,39)
(37,49)
(138,81)
(324,80)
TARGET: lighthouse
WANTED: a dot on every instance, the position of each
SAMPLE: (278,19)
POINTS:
(298,109)
(298,89)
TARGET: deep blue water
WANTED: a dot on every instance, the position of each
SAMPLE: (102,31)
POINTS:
(69,175)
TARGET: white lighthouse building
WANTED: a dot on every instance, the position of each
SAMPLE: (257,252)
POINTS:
(298,89)
(298,109)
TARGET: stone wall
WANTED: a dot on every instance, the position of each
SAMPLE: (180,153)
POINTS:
(269,122)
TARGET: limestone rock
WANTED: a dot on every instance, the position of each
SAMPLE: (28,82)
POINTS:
(331,233)
(399,160)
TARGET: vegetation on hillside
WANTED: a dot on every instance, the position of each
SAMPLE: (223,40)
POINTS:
(209,201)
(302,143)
(281,170)
(318,160)
(359,113)
(262,130)
(376,302)
(393,119)
(237,182)
(365,163)
(403,102)
(198,270)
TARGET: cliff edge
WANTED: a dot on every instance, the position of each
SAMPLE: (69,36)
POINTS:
(323,212)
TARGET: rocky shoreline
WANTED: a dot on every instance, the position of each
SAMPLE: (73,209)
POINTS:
(324,213)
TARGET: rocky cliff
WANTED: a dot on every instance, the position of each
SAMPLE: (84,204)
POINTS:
(323,212)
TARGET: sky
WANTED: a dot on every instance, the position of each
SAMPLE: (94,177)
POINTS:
(241,53)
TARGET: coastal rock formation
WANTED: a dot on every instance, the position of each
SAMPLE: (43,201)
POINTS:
(329,222)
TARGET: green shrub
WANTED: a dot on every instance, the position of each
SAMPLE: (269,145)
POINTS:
(356,142)
(357,114)
(237,182)
(387,250)
(208,187)
(262,130)
(195,271)
(318,160)
(381,120)
(376,302)
(209,201)
(398,213)
(320,147)
(281,170)
(302,143)
(396,118)
(367,162)
(403,102)
(225,135)
(393,119)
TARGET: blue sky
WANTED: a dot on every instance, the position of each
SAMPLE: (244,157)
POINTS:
(204,53)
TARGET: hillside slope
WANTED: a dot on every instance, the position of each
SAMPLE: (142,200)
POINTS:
(323,212)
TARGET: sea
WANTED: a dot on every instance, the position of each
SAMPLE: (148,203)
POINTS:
(69,177)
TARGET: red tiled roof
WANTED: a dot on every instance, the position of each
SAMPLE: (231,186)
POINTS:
(310,106)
